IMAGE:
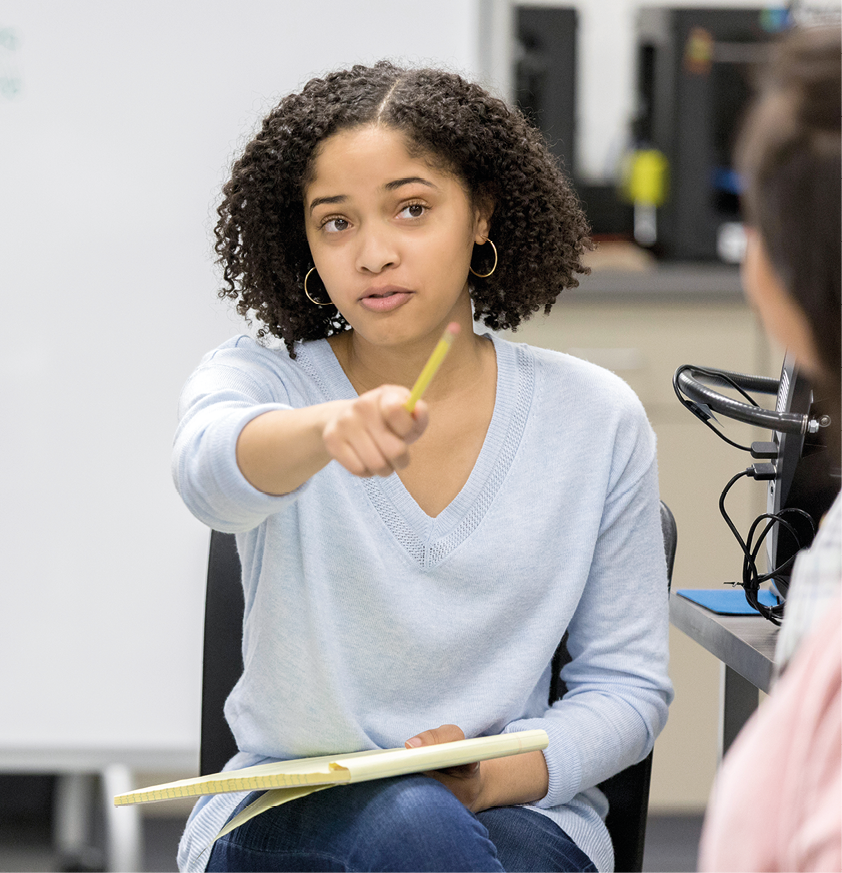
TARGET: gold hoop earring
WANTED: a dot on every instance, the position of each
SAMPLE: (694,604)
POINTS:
(486,275)
(307,293)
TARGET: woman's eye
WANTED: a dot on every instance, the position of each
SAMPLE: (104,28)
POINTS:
(335,225)
(414,210)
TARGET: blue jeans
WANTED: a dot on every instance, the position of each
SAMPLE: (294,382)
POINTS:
(403,823)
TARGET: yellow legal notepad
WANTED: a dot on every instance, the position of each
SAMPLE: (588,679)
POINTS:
(340,769)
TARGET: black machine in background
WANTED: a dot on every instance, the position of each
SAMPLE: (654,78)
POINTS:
(545,80)
(803,475)
(693,83)
(545,74)
(694,71)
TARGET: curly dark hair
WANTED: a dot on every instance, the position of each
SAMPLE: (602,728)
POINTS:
(537,225)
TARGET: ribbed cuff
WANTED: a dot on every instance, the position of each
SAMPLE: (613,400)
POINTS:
(563,763)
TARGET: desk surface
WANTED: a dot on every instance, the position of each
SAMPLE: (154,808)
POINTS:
(745,643)
(666,281)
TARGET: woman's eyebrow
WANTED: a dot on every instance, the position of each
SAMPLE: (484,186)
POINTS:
(389,186)
(338,198)
(409,180)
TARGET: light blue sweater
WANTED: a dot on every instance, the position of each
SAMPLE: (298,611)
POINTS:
(367,621)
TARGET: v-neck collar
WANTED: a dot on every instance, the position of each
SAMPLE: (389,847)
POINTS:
(428,540)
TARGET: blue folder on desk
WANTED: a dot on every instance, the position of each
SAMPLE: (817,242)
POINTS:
(727,602)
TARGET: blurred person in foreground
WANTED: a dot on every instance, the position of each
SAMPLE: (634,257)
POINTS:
(777,800)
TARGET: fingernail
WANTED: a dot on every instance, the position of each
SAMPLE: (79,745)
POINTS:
(413,743)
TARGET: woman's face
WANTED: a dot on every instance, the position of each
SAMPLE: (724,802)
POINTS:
(391,236)
(782,317)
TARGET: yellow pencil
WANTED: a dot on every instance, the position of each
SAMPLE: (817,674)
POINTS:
(432,365)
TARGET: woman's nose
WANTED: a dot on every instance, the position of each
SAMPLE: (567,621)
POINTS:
(376,250)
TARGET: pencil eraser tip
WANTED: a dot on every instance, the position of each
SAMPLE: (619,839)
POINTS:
(453,328)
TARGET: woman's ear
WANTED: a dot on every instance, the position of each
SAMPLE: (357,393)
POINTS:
(482,220)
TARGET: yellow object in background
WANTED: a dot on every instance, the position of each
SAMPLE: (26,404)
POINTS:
(645,182)
(647,177)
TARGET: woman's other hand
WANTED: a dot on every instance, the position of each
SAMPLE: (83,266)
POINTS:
(465,781)
(496,782)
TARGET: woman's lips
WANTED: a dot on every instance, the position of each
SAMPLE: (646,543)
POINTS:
(385,299)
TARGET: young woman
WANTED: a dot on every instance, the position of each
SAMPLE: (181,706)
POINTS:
(776,804)
(408,576)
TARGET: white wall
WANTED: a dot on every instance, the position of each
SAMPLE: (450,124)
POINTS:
(111,158)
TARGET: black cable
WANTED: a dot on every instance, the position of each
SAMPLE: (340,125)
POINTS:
(719,376)
(750,547)
(696,410)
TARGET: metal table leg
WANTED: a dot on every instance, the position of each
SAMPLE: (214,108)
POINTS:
(73,824)
(738,700)
(123,826)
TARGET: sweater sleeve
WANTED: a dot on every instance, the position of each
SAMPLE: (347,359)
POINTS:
(618,689)
(223,395)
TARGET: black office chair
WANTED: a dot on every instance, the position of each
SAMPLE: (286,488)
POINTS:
(222,663)
(627,792)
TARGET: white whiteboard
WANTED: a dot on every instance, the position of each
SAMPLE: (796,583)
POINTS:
(117,125)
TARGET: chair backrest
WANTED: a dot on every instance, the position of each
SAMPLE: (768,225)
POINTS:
(627,792)
(222,664)
(670,532)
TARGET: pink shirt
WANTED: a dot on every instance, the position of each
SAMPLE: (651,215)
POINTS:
(777,801)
